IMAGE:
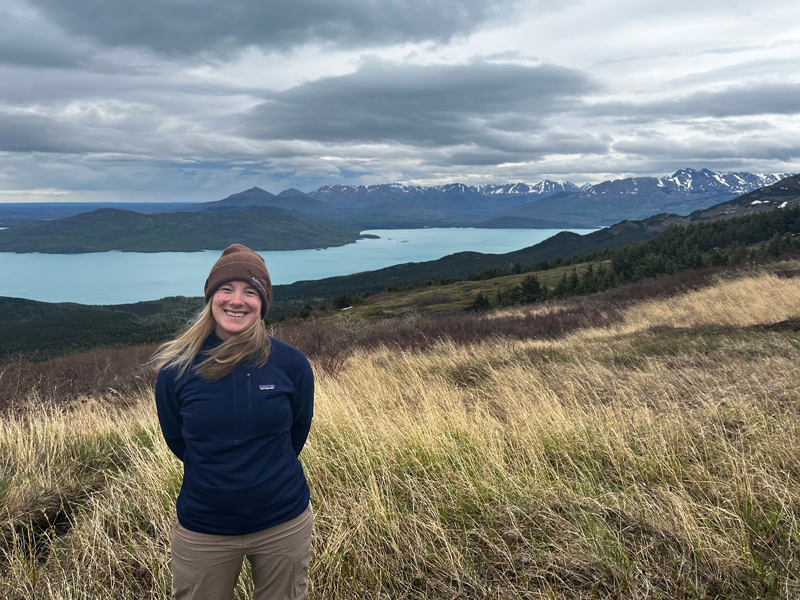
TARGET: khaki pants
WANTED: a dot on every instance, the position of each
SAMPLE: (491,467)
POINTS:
(206,567)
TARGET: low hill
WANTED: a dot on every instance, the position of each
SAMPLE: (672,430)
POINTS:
(17,213)
(110,229)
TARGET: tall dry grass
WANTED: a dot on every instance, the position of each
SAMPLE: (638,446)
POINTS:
(737,303)
(656,458)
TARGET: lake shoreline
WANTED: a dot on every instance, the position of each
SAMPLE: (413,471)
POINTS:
(115,277)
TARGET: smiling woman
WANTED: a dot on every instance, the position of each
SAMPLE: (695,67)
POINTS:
(235,406)
(235,307)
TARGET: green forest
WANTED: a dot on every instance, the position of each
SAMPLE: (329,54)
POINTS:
(696,246)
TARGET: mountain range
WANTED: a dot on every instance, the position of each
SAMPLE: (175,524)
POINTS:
(544,204)
(335,214)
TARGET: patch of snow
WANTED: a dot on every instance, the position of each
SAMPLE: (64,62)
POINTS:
(758,202)
(783,205)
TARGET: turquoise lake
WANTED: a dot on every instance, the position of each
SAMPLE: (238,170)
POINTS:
(121,277)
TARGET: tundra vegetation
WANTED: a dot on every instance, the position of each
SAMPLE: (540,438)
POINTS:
(643,442)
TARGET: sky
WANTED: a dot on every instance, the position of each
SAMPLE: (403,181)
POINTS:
(176,100)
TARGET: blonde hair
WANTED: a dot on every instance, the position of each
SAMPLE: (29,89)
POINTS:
(252,343)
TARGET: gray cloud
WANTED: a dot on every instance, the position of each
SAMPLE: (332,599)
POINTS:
(481,103)
(754,147)
(179,28)
(536,148)
(753,99)
(34,133)
(27,40)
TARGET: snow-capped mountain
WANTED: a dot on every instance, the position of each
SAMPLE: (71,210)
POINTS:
(681,192)
(691,181)
(449,198)
(704,180)
(688,181)
(545,187)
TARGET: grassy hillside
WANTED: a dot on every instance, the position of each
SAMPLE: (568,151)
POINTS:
(434,299)
(655,456)
(111,229)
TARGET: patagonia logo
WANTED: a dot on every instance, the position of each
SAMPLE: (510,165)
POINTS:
(266,387)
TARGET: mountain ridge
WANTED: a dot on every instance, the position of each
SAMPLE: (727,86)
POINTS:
(559,202)
(543,204)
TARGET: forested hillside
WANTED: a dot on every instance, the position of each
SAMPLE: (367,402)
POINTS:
(111,229)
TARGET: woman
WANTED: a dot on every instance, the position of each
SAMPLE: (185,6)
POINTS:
(235,406)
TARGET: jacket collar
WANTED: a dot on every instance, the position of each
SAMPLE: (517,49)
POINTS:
(213,340)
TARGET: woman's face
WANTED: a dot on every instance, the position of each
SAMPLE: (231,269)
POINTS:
(235,306)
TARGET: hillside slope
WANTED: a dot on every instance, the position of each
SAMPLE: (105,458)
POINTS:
(651,454)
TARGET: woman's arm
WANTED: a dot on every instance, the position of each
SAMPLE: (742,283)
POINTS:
(169,413)
(302,406)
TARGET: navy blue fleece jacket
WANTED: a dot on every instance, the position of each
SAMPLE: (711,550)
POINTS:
(239,439)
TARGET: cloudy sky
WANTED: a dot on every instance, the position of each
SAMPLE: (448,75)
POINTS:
(176,100)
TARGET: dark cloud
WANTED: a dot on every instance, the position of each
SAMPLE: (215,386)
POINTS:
(739,101)
(27,41)
(25,51)
(479,103)
(178,27)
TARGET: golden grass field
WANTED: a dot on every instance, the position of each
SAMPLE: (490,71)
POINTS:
(655,458)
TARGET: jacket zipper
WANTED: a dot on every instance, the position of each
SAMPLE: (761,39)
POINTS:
(249,398)
(248,408)
(235,411)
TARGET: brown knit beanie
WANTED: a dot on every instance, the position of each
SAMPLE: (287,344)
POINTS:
(242,264)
